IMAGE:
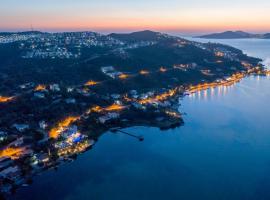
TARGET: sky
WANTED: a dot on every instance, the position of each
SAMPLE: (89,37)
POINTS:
(186,16)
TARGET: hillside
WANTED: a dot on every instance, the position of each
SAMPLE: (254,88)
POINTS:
(137,36)
(74,58)
(229,35)
(266,36)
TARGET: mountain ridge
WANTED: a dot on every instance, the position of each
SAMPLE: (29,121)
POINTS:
(235,35)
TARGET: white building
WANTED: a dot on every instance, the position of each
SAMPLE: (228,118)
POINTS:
(108,117)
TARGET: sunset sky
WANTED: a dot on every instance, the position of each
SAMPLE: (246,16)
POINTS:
(187,16)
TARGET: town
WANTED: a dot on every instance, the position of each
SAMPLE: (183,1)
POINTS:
(32,146)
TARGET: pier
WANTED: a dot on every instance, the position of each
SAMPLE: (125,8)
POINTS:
(115,130)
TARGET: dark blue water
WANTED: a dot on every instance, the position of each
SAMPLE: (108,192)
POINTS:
(222,152)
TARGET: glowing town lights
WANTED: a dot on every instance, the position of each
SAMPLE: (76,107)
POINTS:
(91,83)
(68,121)
(219,54)
(173,114)
(206,72)
(56,131)
(246,64)
(72,138)
(123,76)
(162,69)
(160,97)
(74,149)
(96,109)
(126,98)
(12,152)
(229,81)
(114,107)
(85,90)
(144,72)
(40,88)
(181,66)
(183,42)
(5,99)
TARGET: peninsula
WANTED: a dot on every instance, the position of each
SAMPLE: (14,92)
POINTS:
(235,35)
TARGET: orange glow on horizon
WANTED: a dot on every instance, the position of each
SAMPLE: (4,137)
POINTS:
(113,17)
(128,25)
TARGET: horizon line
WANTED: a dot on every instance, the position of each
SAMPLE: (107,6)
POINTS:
(108,31)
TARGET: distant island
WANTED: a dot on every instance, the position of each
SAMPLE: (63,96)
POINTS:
(59,92)
(235,35)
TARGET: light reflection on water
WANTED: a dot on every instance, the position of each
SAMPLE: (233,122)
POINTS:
(210,93)
(221,91)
